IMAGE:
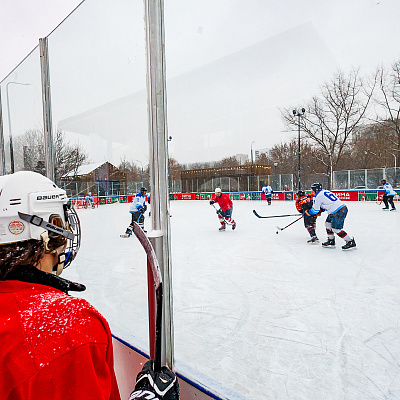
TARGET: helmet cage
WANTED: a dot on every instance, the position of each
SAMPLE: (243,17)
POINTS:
(70,230)
(74,226)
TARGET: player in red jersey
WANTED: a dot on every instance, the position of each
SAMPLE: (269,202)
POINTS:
(225,211)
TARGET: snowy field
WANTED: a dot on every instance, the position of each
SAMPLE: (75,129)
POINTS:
(263,314)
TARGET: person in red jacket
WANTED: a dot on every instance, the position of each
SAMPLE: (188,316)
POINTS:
(225,209)
(53,346)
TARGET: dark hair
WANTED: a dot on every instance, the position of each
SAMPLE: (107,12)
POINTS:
(27,253)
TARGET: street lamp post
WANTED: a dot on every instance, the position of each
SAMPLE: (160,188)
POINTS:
(395,175)
(299,114)
(252,164)
(9,124)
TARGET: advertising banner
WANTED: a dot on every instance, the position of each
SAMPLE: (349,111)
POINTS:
(346,195)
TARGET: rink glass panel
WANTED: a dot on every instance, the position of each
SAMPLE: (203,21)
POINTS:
(21,98)
(98,89)
(231,68)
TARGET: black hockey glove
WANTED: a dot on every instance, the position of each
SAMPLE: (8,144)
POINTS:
(155,385)
(142,209)
(212,202)
(219,212)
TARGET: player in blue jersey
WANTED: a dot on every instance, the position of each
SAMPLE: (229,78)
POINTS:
(89,200)
(137,210)
(388,196)
(324,200)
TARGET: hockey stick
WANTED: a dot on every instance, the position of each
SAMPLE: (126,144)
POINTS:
(274,216)
(287,226)
(126,235)
(155,296)
(217,209)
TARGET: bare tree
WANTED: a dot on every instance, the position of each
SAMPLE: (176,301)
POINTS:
(334,116)
(67,158)
(134,172)
(30,155)
(389,102)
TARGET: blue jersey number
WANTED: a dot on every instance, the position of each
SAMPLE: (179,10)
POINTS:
(330,196)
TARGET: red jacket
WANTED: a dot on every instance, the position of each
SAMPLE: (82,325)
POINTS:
(224,201)
(53,346)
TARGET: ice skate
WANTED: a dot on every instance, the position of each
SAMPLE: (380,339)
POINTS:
(234,226)
(393,209)
(313,240)
(385,208)
(222,228)
(330,243)
(127,233)
(349,245)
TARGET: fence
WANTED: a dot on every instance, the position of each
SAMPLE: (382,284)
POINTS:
(101,188)
(364,178)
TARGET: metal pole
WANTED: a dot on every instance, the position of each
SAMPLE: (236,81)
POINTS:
(9,124)
(158,155)
(46,100)
(2,155)
(299,181)
(299,114)
(252,165)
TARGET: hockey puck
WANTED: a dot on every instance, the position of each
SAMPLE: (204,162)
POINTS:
(277,232)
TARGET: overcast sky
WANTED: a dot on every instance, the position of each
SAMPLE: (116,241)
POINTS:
(23,22)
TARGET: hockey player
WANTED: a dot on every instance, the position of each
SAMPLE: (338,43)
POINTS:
(225,210)
(324,200)
(89,200)
(267,190)
(54,346)
(137,209)
(303,203)
(388,195)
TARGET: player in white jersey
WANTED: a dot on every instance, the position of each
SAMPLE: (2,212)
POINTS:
(388,195)
(267,189)
(137,210)
(324,200)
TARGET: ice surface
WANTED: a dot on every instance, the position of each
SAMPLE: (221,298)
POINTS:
(265,315)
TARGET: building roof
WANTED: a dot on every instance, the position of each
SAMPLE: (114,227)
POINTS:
(85,169)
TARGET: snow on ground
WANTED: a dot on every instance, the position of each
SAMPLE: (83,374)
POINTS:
(263,314)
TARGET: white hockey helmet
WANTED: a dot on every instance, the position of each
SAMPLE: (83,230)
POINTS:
(33,207)
(218,190)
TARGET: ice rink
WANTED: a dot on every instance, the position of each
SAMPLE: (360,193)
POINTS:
(263,314)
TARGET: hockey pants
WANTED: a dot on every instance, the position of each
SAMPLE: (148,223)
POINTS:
(388,199)
(226,217)
(334,224)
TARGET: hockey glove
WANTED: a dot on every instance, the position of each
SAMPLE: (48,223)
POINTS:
(212,202)
(155,385)
(219,212)
(142,209)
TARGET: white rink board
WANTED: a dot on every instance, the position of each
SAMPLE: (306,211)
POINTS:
(264,314)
